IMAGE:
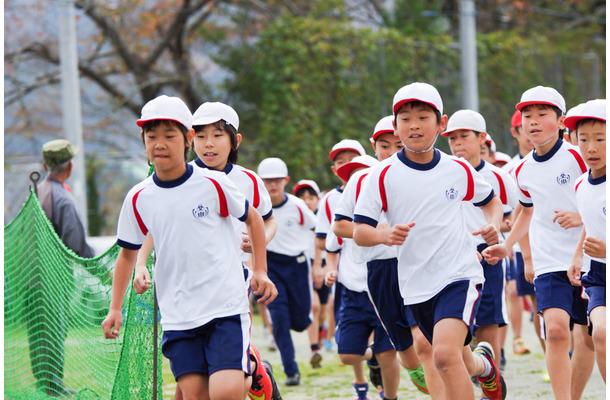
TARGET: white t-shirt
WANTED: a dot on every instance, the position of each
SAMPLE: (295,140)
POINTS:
(345,210)
(351,273)
(504,186)
(251,185)
(510,168)
(439,248)
(325,215)
(591,199)
(295,223)
(547,183)
(198,274)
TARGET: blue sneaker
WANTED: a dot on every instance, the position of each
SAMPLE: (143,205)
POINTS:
(360,391)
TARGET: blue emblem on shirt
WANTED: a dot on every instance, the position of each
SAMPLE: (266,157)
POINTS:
(451,194)
(200,211)
(563,179)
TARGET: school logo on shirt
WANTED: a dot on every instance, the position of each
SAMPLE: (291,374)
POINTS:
(200,211)
(451,194)
(604,209)
(563,179)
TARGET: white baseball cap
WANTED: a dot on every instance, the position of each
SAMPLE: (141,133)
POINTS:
(364,161)
(542,95)
(346,145)
(595,109)
(306,183)
(465,119)
(214,111)
(272,167)
(502,158)
(165,107)
(490,142)
(385,125)
(418,91)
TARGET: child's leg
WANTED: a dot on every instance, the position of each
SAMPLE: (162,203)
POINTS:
(423,348)
(557,332)
(313,331)
(226,384)
(537,327)
(598,321)
(583,360)
(195,386)
(447,345)
(390,371)
(489,334)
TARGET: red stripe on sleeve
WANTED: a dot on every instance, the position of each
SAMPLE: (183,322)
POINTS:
(359,185)
(328,213)
(470,188)
(581,162)
(143,227)
(301,217)
(517,178)
(224,207)
(382,193)
(502,188)
(256,199)
(577,185)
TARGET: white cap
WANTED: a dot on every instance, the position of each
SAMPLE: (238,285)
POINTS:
(272,167)
(467,120)
(210,112)
(502,157)
(346,145)
(306,183)
(385,125)
(595,109)
(364,161)
(542,95)
(418,91)
(165,107)
(490,142)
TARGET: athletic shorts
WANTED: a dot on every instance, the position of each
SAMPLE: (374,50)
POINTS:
(492,309)
(358,321)
(324,291)
(510,269)
(220,344)
(457,300)
(594,283)
(395,316)
(554,290)
(524,288)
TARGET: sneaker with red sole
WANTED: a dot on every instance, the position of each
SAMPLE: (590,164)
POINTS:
(493,386)
(262,386)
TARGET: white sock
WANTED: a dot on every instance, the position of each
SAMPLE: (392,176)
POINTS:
(487,371)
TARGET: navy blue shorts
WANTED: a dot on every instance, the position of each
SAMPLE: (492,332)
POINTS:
(324,291)
(492,309)
(385,294)
(524,288)
(594,283)
(220,344)
(358,321)
(457,300)
(554,290)
(510,271)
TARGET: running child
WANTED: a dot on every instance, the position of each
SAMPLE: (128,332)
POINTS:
(545,179)
(187,211)
(589,122)
(422,189)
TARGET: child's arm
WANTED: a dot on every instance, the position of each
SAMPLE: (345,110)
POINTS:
(141,279)
(576,265)
(493,214)
(567,219)
(526,254)
(317,272)
(495,253)
(122,275)
(261,284)
(344,228)
(594,247)
(366,235)
(270,228)
(332,266)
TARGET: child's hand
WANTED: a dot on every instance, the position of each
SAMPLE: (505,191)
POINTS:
(489,233)
(594,247)
(396,235)
(246,245)
(317,274)
(330,278)
(141,280)
(495,253)
(528,270)
(263,286)
(567,219)
(112,324)
(574,274)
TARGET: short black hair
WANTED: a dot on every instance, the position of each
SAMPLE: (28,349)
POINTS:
(230,129)
(149,125)
(306,189)
(582,121)
(421,103)
(546,107)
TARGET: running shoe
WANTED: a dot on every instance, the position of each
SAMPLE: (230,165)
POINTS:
(493,386)
(519,347)
(418,379)
(360,391)
(316,359)
(262,386)
(269,369)
(375,372)
(293,380)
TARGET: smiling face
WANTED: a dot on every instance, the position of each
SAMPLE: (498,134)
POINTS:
(467,144)
(417,128)
(165,148)
(213,146)
(592,144)
(386,145)
(541,125)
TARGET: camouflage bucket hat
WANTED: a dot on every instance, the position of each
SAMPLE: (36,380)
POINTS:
(57,152)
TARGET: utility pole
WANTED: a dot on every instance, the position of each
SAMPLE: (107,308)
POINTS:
(71,106)
(468,52)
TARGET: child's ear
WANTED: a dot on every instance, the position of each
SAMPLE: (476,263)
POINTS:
(482,137)
(443,123)
(238,137)
(561,122)
(189,137)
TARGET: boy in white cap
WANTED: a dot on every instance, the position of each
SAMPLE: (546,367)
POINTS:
(466,132)
(186,210)
(589,122)
(288,264)
(545,178)
(422,189)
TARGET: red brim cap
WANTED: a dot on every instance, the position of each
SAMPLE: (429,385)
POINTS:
(346,169)
(381,132)
(333,154)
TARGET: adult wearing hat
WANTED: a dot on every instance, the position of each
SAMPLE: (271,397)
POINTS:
(47,316)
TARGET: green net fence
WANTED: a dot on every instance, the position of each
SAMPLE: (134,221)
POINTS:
(54,304)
